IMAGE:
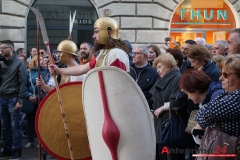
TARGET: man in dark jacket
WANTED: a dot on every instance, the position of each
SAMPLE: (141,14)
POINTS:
(142,72)
(12,91)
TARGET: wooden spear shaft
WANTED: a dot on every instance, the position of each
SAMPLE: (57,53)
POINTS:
(62,108)
(39,87)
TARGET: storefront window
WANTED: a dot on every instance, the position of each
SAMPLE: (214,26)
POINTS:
(210,19)
(56,15)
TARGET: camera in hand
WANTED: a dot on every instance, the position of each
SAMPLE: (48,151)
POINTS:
(2,57)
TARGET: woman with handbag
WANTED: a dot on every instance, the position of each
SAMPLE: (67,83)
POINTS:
(221,116)
(165,88)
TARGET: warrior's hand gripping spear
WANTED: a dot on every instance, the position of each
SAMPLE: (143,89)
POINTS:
(49,50)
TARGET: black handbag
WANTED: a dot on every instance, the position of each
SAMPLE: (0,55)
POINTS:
(28,107)
(173,131)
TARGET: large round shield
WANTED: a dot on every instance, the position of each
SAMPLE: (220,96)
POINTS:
(117,114)
(49,123)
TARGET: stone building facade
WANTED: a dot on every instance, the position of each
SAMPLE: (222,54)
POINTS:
(140,21)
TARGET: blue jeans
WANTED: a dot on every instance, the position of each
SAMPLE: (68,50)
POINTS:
(11,126)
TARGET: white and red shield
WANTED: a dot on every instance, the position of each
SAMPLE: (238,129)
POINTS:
(119,122)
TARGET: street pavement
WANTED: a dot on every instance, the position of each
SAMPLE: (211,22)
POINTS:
(31,153)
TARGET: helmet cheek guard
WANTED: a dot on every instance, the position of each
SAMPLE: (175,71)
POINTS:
(104,24)
(64,58)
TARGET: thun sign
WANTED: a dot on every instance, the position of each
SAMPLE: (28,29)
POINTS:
(207,14)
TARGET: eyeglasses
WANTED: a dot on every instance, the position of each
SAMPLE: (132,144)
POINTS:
(3,48)
(225,74)
(135,53)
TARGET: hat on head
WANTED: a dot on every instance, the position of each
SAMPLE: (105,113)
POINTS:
(128,45)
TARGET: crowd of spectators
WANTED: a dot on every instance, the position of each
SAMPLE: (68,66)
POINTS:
(207,74)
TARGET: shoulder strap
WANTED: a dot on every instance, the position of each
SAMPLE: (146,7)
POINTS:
(101,57)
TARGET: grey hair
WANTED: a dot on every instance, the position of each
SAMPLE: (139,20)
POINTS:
(144,50)
(202,40)
(222,42)
(237,31)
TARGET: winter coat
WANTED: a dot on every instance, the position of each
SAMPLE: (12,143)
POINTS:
(12,78)
(212,71)
(164,90)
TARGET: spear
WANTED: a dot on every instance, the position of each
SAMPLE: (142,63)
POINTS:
(49,50)
(39,87)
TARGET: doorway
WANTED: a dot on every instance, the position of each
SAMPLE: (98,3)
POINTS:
(181,35)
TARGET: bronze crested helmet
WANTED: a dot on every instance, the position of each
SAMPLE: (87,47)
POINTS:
(104,24)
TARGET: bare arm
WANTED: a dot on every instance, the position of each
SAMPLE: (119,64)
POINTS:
(45,87)
(70,71)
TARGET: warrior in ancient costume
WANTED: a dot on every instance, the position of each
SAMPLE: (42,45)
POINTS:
(113,51)
(67,51)
(51,133)
(49,128)
(119,126)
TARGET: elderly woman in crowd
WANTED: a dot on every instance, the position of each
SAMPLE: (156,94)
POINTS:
(165,89)
(223,109)
(195,84)
(198,86)
(199,57)
(154,53)
(227,103)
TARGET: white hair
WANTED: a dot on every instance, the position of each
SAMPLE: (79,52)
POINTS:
(144,50)
(200,40)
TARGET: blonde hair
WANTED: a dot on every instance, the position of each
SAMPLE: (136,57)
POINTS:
(232,62)
(34,62)
(165,59)
(218,60)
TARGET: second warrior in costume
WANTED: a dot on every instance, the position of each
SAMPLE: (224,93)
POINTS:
(113,51)
(67,51)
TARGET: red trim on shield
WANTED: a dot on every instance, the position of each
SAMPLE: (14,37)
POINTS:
(110,130)
(41,105)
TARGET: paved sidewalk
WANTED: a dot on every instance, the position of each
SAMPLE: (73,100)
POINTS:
(31,153)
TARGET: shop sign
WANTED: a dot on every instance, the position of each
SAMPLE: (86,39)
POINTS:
(81,17)
(207,14)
